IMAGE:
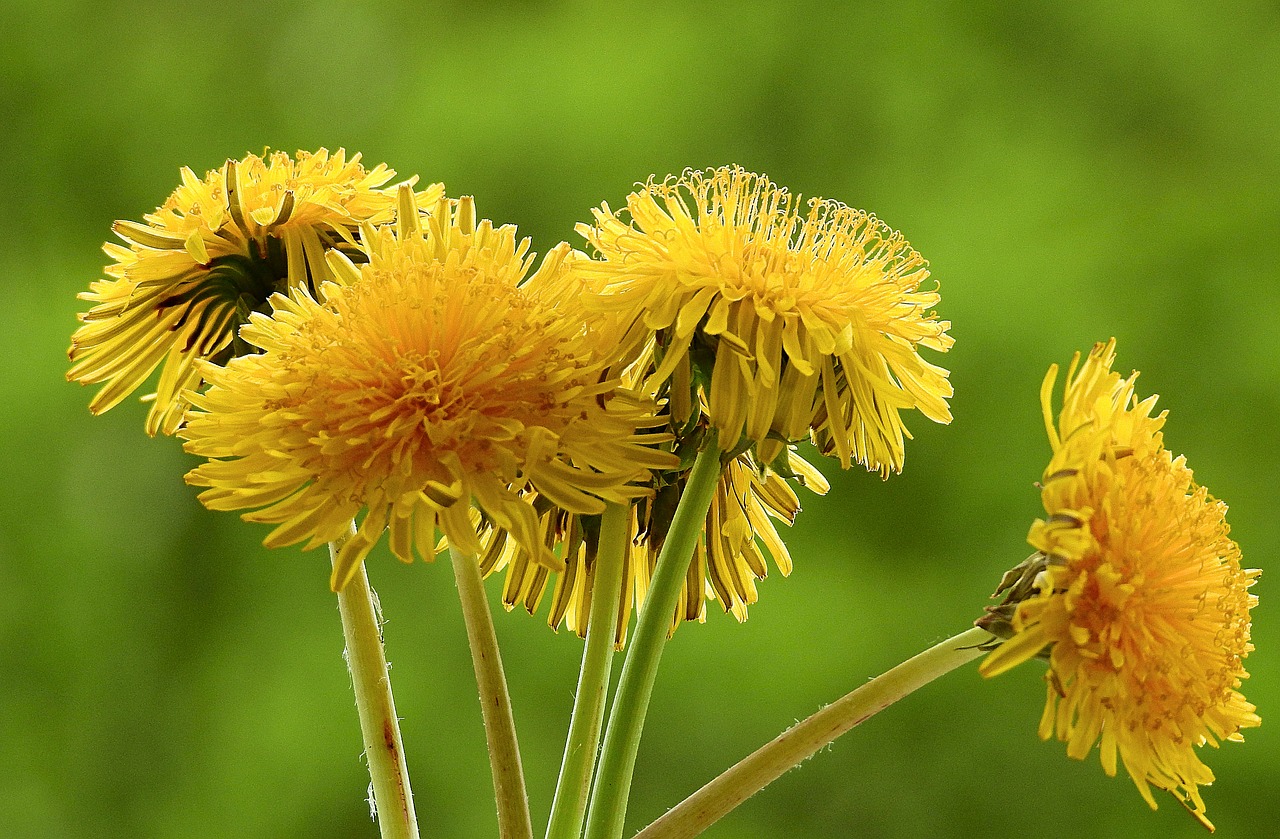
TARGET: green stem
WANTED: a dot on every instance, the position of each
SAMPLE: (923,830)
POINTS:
(800,742)
(640,667)
(495,701)
(569,808)
(379,726)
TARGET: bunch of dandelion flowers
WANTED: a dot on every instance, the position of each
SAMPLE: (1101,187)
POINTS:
(187,278)
(1137,596)
(436,377)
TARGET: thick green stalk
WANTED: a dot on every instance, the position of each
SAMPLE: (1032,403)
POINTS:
(640,667)
(569,808)
(800,742)
(379,726)
(495,701)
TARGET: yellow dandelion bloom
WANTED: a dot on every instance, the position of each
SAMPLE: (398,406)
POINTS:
(209,256)
(790,323)
(435,376)
(728,560)
(1138,597)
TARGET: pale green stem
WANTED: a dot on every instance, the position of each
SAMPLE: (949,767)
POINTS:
(379,726)
(640,667)
(495,701)
(569,808)
(800,742)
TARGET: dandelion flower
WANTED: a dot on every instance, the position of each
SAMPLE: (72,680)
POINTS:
(1137,596)
(728,560)
(435,376)
(186,280)
(790,323)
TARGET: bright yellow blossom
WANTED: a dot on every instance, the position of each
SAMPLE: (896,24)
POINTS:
(208,257)
(1138,597)
(787,323)
(438,375)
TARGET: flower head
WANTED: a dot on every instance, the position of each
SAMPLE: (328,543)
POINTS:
(1137,595)
(788,323)
(728,560)
(209,256)
(437,375)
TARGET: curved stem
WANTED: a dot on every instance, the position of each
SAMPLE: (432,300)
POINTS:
(640,667)
(379,726)
(569,808)
(495,701)
(800,742)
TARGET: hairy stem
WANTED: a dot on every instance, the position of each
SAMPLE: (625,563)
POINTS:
(495,701)
(800,742)
(379,726)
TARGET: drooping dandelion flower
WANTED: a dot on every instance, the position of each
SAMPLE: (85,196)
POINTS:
(1137,595)
(787,323)
(738,537)
(185,281)
(437,376)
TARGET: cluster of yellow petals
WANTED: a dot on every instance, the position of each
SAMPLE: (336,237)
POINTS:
(728,560)
(435,375)
(355,359)
(187,278)
(800,323)
(1143,606)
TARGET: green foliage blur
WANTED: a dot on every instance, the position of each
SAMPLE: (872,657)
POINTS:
(1072,172)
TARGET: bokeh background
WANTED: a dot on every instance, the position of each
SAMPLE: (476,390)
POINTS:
(1072,171)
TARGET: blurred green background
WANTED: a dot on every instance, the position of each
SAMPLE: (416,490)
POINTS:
(1072,171)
